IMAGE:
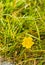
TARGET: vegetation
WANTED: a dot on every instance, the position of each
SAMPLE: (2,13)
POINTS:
(20,19)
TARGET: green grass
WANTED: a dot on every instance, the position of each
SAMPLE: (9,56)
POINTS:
(19,19)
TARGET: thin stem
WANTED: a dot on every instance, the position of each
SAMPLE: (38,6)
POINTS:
(38,33)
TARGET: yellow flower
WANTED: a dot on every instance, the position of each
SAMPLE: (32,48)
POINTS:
(27,42)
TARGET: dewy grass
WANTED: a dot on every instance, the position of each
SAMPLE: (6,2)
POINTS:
(21,19)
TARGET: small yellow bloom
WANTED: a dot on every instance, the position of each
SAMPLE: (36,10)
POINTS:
(27,42)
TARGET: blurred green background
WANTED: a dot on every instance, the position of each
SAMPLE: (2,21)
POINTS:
(19,19)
